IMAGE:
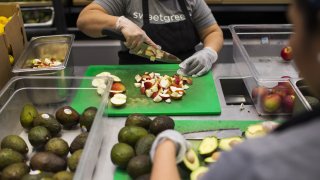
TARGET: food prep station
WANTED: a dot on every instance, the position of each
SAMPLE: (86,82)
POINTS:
(249,59)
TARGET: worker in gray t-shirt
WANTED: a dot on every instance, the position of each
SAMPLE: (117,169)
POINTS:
(291,151)
(177,26)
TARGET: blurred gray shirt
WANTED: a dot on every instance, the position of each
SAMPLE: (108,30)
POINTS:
(293,154)
(160,11)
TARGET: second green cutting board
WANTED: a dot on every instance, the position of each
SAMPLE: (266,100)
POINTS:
(200,99)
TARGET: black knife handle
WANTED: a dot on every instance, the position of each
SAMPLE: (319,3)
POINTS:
(113,34)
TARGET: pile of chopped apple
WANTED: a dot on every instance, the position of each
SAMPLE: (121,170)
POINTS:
(162,88)
(117,92)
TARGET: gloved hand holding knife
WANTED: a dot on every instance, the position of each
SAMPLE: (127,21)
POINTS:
(133,34)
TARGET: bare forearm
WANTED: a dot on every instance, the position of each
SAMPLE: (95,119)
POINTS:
(213,37)
(164,164)
(93,19)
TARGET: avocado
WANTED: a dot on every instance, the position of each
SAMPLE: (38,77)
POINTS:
(227,144)
(9,156)
(144,177)
(196,174)
(74,159)
(144,144)
(79,142)
(15,171)
(139,165)
(138,120)
(255,130)
(161,123)
(48,121)
(208,145)
(47,161)
(191,160)
(63,175)
(131,134)
(68,117)
(121,153)
(27,115)
(87,117)
(213,158)
(38,136)
(57,146)
(40,176)
(14,142)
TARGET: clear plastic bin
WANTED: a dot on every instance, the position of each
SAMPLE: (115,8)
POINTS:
(17,93)
(257,51)
(257,54)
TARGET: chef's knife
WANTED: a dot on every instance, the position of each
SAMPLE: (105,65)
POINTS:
(218,133)
(146,51)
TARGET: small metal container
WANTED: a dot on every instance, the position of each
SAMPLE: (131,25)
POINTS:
(57,46)
(38,16)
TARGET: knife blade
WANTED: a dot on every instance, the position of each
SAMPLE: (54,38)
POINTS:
(146,50)
(218,133)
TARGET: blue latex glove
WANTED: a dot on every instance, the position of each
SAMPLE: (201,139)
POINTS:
(181,144)
(199,63)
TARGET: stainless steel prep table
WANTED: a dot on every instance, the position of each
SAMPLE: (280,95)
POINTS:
(225,68)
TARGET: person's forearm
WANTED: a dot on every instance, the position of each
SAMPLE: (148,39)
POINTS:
(93,19)
(164,163)
(213,37)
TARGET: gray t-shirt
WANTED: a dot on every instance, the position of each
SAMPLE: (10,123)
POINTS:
(160,11)
(290,155)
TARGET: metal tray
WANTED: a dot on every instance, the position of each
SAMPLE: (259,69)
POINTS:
(46,17)
(58,46)
(16,94)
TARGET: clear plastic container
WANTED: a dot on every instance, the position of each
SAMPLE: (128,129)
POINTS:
(272,97)
(257,54)
(17,93)
(257,51)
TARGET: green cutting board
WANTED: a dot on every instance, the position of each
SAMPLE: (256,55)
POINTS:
(200,99)
(185,126)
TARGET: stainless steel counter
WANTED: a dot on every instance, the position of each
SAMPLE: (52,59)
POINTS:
(225,68)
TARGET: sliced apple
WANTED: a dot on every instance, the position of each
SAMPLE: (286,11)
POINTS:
(97,82)
(149,93)
(152,75)
(146,77)
(147,84)
(164,83)
(100,90)
(168,100)
(176,96)
(164,96)
(118,99)
(137,85)
(142,90)
(117,86)
(115,78)
(157,99)
(154,94)
(138,78)
(187,80)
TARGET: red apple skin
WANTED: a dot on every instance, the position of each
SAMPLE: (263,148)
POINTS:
(286,53)
(289,90)
(143,90)
(281,90)
(117,86)
(271,103)
(154,95)
(259,92)
(148,85)
(288,103)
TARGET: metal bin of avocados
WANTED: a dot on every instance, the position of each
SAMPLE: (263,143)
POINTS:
(16,94)
(257,54)
(47,56)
